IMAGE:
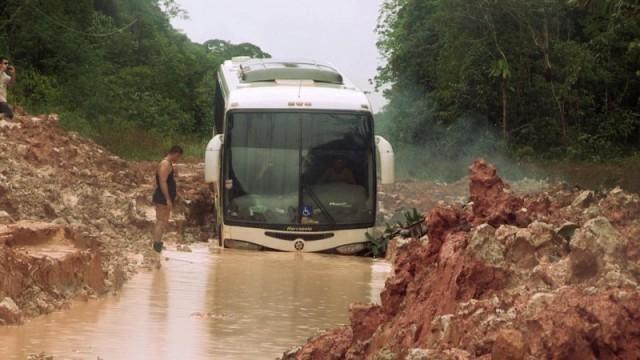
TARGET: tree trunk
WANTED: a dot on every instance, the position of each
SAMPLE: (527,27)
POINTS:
(503,87)
(560,103)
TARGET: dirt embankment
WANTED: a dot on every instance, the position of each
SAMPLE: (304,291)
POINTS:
(395,199)
(552,275)
(75,220)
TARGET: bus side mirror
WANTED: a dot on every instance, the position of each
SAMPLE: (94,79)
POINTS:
(387,165)
(212,159)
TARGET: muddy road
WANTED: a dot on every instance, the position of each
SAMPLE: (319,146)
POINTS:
(78,278)
(207,304)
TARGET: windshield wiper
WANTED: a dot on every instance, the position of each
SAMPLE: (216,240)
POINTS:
(315,199)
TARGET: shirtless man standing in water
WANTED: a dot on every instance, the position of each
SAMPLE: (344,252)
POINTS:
(165,194)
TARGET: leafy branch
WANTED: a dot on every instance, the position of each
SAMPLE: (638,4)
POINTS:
(378,243)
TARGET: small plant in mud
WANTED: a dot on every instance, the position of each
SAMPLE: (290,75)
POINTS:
(412,218)
(378,242)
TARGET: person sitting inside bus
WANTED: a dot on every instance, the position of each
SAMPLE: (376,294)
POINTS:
(338,173)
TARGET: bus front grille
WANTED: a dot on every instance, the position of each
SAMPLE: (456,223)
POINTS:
(295,236)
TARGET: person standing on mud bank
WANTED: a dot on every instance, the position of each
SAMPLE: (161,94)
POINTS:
(7,79)
(165,194)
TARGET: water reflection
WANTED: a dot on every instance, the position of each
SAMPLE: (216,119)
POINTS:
(279,299)
(207,304)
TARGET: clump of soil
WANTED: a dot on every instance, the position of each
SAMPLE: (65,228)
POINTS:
(75,220)
(550,275)
(42,266)
(400,197)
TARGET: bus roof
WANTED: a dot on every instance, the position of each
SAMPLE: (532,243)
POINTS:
(286,84)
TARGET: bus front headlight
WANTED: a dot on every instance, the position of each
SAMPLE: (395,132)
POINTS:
(350,249)
(241,245)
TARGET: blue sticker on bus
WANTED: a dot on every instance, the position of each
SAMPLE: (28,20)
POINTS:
(307,211)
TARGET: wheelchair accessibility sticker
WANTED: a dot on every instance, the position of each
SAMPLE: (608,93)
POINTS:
(307,211)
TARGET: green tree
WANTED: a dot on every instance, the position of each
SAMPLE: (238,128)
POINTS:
(114,67)
(560,78)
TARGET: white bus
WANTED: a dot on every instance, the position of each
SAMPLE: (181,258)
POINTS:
(293,158)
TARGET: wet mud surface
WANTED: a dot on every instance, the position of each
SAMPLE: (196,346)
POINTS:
(210,303)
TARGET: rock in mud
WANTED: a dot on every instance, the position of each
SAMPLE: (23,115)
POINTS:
(430,354)
(595,248)
(5,218)
(541,234)
(485,245)
(331,345)
(567,230)
(509,345)
(41,356)
(599,236)
(10,312)
(183,248)
(584,199)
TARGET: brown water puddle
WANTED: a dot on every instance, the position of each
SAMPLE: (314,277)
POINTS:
(209,304)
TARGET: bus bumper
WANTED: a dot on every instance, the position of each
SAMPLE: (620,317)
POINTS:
(345,242)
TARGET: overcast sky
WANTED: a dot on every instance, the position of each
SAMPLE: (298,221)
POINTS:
(340,32)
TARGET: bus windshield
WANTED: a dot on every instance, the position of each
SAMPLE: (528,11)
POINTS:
(299,168)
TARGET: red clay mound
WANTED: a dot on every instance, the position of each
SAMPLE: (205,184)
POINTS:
(493,202)
(490,283)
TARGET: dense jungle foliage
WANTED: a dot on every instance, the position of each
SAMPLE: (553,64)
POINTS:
(115,70)
(553,79)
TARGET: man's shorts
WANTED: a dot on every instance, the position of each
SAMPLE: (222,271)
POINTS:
(6,110)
